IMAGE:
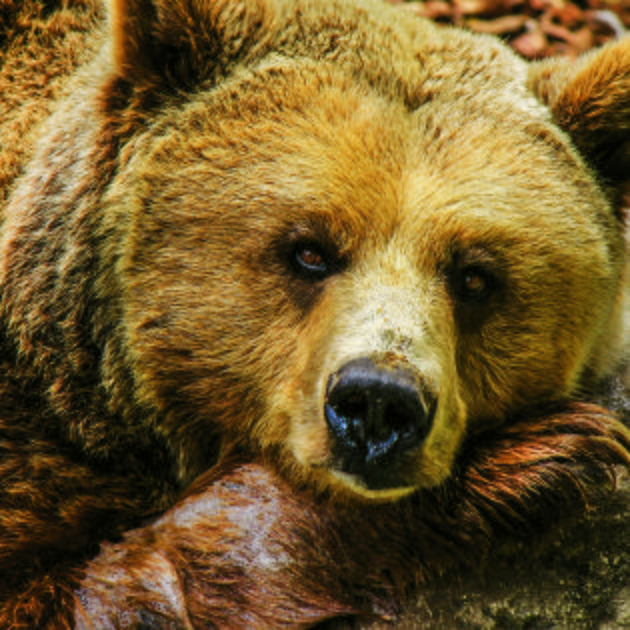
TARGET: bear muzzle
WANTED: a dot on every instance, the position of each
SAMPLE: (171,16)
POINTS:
(378,417)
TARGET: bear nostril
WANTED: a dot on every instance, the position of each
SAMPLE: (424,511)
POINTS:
(355,409)
(355,405)
(375,414)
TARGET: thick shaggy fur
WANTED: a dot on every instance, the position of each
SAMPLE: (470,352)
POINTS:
(299,561)
(164,364)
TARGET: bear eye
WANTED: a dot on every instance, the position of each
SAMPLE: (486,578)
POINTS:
(475,284)
(311,261)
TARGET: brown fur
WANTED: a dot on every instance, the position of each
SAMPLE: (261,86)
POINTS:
(279,559)
(39,45)
(153,330)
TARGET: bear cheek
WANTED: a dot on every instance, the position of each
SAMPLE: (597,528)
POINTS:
(534,349)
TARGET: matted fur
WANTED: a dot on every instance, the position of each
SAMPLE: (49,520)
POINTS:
(284,559)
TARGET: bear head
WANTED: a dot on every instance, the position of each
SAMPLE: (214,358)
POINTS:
(345,239)
(359,238)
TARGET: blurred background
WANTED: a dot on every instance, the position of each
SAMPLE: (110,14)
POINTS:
(534,28)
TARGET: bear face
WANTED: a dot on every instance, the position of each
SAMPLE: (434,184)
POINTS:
(340,263)
(309,265)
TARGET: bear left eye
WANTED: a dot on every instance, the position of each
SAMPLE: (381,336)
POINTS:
(475,284)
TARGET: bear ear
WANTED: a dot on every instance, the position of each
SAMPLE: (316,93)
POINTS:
(180,42)
(590,99)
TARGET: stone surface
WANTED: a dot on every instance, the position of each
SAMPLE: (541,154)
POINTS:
(579,579)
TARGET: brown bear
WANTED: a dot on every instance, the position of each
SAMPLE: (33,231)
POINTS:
(312,298)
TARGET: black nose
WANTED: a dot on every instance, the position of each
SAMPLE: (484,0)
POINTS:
(375,414)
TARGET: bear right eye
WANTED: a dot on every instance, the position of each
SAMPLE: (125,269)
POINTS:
(310,261)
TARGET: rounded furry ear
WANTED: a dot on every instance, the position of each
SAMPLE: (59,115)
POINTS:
(181,42)
(590,100)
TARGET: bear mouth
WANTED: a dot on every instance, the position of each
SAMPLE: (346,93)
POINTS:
(376,483)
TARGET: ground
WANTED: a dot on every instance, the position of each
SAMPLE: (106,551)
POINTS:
(534,28)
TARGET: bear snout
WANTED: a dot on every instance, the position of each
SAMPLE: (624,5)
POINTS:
(375,416)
